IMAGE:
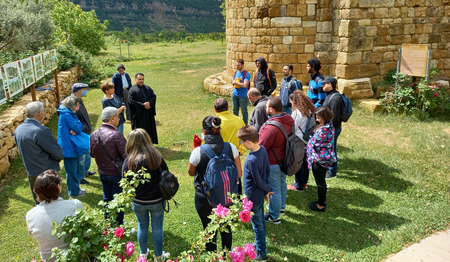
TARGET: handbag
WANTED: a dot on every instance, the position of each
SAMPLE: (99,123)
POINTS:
(117,163)
(169,185)
(81,142)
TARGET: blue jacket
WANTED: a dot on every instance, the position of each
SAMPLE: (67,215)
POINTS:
(67,121)
(315,91)
(256,176)
(38,147)
(118,86)
(288,86)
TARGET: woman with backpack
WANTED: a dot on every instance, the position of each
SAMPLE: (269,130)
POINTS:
(303,113)
(142,153)
(198,163)
(321,154)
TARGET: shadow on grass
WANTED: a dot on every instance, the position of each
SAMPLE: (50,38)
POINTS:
(171,155)
(344,226)
(372,173)
(93,117)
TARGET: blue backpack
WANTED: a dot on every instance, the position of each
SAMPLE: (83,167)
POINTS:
(347,110)
(221,177)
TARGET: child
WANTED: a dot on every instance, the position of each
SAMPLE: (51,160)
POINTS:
(256,180)
(110,99)
(321,154)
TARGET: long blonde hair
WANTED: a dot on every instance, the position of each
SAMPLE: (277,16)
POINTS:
(140,150)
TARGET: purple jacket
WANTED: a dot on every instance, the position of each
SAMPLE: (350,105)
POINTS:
(113,142)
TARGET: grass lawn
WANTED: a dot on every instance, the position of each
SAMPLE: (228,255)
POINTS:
(392,186)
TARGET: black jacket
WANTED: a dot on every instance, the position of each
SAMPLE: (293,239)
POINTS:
(261,80)
(336,104)
(83,116)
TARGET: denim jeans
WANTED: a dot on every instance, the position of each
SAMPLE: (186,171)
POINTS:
(302,176)
(120,128)
(277,181)
(259,227)
(85,162)
(74,173)
(333,168)
(110,185)
(241,102)
(157,215)
(287,110)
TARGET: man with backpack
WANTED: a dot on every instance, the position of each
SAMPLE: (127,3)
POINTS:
(288,85)
(335,102)
(241,83)
(264,80)
(273,139)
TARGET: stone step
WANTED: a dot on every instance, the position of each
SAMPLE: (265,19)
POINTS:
(370,104)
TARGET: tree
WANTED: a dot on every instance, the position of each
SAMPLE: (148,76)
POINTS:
(25,25)
(81,28)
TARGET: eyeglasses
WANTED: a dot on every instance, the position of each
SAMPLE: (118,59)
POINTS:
(242,141)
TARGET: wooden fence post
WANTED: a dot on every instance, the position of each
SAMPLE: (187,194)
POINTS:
(57,85)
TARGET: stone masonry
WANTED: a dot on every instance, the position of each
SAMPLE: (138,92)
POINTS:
(355,40)
(12,117)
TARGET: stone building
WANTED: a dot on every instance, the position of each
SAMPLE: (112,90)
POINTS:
(356,40)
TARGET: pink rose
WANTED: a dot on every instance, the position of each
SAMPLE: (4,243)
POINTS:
(245,216)
(119,232)
(129,248)
(436,94)
(105,247)
(190,257)
(221,211)
(250,251)
(121,257)
(247,204)
(106,232)
(238,254)
(141,259)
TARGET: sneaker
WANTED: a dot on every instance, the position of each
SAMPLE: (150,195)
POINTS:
(163,257)
(283,212)
(84,182)
(292,187)
(329,175)
(144,256)
(313,207)
(269,219)
(90,173)
(260,257)
(80,194)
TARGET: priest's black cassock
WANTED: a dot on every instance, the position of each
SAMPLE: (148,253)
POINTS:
(140,116)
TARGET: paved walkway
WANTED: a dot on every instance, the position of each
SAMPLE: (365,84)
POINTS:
(435,248)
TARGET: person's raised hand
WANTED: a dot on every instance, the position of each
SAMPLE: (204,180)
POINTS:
(197,141)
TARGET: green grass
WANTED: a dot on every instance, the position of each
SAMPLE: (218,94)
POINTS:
(392,186)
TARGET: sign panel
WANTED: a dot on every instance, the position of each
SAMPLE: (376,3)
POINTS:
(38,66)
(54,59)
(27,68)
(47,62)
(13,78)
(414,60)
(2,88)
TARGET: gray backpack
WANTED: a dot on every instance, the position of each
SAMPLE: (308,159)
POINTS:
(307,128)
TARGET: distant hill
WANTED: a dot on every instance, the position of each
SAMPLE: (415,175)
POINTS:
(195,16)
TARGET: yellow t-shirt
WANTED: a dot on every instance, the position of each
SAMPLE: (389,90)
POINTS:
(229,128)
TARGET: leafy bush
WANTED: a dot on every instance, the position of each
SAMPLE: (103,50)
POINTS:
(416,98)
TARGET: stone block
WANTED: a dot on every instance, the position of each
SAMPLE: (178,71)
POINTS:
(246,39)
(300,39)
(286,22)
(376,3)
(265,40)
(356,88)
(349,58)
(354,13)
(9,142)
(283,31)
(275,11)
(297,49)
(256,23)
(4,165)
(323,38)
(266,49)
(282,49)
(409,29)
(371,31)
(276,40)
(13,153)
(307,24)
(356,71)
(311,9)
(266,22)
(381,13)
(3,150)
(287,40)
(295,31)
(289,58)
(371,105)
(310,31)
(324,27)
(301,10)
(309,48)
(260,2)
(276,58)
(348,4)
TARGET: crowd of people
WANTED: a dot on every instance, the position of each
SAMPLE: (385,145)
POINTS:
(313,117)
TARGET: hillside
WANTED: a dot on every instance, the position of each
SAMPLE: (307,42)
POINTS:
(195,16)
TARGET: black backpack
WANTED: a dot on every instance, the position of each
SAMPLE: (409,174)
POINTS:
(169,185)
(347,109)
(294,150)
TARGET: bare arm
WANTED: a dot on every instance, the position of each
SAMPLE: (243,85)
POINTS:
(237,162)
(192,169)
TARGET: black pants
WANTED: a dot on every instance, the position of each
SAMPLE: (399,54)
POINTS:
(32,180)
(204,210)
(319,173)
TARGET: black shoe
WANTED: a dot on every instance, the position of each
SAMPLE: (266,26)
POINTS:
(84,181)
(283,212)
(313,207)
(330,175)
(269,219)
(90,173)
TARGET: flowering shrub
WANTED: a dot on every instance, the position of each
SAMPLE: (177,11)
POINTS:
(91,238)
(416,97)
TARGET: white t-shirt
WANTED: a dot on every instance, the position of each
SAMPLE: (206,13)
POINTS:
(194,159)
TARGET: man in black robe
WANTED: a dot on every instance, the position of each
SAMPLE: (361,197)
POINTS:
(142,101)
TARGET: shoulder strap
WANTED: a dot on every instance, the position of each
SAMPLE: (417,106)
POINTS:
(268,77)
(309,119)
(280,126)
(234,74)
(101,146)
(226,146)
(333,95)
(208,151)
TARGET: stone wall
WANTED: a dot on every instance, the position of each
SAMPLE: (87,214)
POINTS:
(353,38)
(12,117)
